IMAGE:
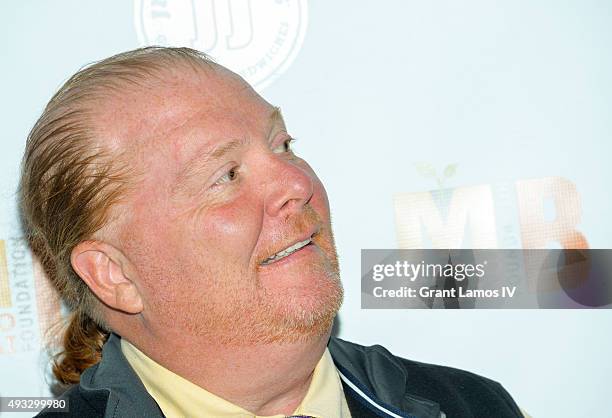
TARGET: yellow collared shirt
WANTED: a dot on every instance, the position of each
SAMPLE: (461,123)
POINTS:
(178,397)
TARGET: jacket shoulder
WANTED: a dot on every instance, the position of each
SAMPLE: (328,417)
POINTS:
(459,389)
(456,391)
(92,404)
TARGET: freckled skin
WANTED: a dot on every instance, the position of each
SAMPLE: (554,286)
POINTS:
(196,246)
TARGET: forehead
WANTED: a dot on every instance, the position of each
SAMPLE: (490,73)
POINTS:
(181,111)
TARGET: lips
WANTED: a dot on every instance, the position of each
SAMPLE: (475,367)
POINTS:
(286,252)
(290,249)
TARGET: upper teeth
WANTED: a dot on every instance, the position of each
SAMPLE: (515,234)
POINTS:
(287,251)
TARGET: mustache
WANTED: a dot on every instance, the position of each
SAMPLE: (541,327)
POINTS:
(294,229)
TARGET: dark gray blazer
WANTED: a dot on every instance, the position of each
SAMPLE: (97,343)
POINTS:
(376,384)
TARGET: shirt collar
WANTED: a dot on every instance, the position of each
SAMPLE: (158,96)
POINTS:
(176,396)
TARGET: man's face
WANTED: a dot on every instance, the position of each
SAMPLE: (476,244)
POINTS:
(218,196)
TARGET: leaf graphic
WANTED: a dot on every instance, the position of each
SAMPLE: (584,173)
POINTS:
(426,170)
(450,170)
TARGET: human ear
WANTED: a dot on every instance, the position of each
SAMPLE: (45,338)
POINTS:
(103,268)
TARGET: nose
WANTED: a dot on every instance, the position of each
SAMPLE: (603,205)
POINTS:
(291,188)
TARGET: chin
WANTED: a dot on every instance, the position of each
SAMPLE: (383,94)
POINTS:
(308,316)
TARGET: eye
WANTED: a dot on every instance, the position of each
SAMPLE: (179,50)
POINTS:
(229,176)
(284,147)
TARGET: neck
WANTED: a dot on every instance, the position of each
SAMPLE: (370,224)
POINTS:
(265,379)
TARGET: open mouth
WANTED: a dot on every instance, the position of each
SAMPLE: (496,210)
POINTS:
(287,251)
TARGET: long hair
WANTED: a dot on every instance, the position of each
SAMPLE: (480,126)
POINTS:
(70,180)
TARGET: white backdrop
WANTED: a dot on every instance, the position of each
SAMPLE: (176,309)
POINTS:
(389,100)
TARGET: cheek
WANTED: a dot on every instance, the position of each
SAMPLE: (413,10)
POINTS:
(229,231)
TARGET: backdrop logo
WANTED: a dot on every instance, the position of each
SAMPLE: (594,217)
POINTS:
(256,39)
(5,290)
(529,214)
(28,303)
(535,213)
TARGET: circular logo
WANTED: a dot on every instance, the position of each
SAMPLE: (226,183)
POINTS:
(256,39)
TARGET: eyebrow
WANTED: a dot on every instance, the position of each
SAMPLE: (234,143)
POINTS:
(199,161)
(275,117)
